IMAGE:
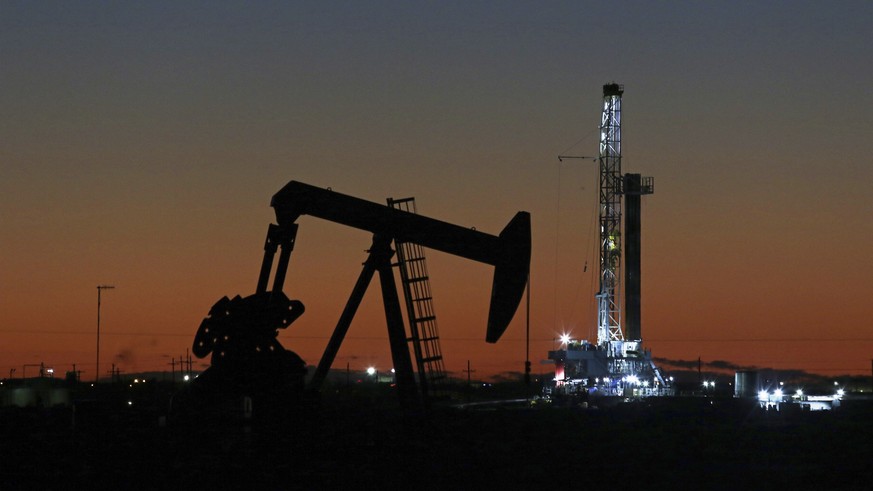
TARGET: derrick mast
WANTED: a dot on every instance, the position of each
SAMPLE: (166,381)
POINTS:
(609,298)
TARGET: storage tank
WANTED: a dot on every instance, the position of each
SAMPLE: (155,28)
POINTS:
(746,384)
(24,397)
(59,396)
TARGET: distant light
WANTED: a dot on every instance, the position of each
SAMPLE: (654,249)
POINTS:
(136,380)
(777,393)
(565,338)
(781,384)
(799,393)
(633,379)
(763,395)
(835,383)
(392,370)
(371,370)
(671,379)
(130,403)
(841,393)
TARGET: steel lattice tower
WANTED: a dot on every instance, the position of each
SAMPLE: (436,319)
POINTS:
(609,297)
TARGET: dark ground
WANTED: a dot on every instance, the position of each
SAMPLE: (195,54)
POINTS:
(366,442)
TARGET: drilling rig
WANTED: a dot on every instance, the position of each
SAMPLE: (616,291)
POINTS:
(616,364)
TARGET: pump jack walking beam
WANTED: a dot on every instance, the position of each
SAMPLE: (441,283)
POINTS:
(509,252)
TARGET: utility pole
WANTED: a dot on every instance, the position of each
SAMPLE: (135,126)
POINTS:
(469,386)
(100,289)
(527,339)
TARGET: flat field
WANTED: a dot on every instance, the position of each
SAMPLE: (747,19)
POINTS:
(368,443)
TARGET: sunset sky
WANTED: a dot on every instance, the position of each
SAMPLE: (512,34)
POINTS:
(141,142)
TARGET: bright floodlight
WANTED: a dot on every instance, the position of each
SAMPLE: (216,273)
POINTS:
(799,392)
(565,338)
(633,379)
(841,392)
(371,370)
(763,395)
(778,393)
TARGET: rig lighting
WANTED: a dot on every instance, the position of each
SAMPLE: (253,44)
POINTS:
(565,338)
(763,395)
(778,393)
(371,370)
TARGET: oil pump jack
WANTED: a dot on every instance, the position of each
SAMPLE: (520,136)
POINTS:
(241,333)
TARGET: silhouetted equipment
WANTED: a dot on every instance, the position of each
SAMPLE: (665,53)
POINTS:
(423,329)
(634,187)
(240,333)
